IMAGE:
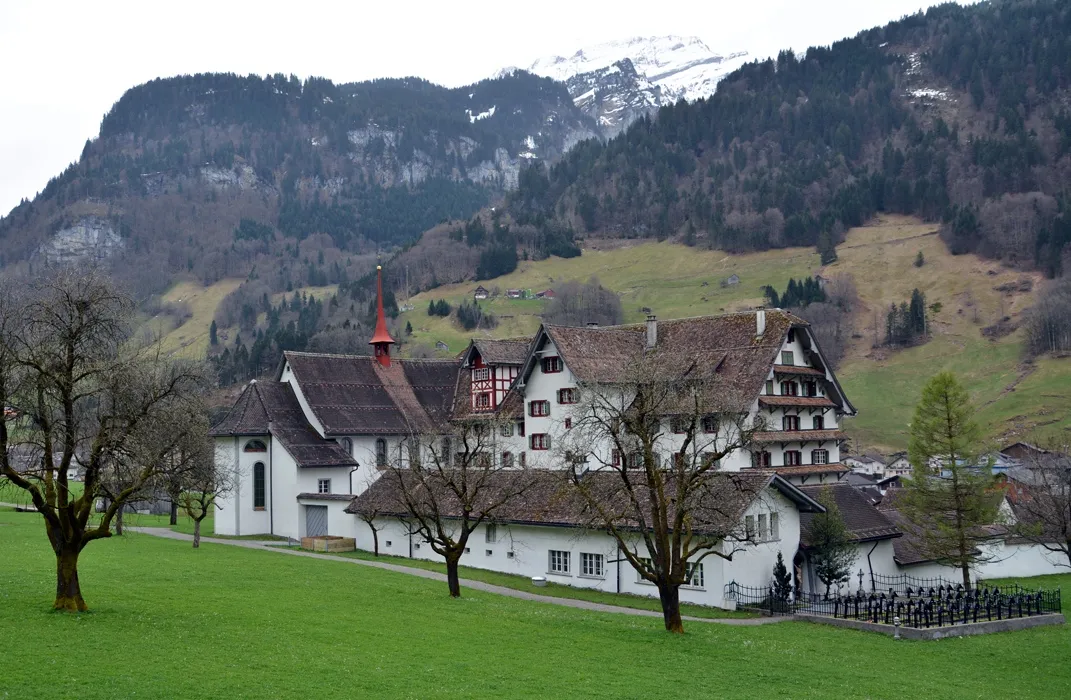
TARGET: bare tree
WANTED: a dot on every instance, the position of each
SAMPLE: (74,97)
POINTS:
(91,398)
(576,304)
(666,503)
(370,515)
(203,482)
(447,486)
(1043,499)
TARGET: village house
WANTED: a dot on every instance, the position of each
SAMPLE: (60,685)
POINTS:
(480,293)
(308,448)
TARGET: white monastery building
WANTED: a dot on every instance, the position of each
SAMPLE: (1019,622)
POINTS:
(308,449)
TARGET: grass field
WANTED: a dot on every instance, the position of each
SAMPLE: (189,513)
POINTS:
(171,622)
(523,583)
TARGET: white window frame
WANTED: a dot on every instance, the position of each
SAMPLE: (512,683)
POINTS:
(790,356)
(481,374)
(695,576)
(775,527)
(558,562)
(820,456)
(592,565)
(323,486)
(506,430)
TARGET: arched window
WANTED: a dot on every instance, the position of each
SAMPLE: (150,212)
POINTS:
(381,452)
(256,446)
(258,486)
(347,445)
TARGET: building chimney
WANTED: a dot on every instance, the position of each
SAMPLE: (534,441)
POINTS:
(760,322)
(381,340)
(652,331)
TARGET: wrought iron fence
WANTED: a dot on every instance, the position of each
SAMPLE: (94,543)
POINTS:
(921,607)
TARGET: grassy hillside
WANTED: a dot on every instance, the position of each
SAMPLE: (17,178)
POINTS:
(675,281)
(672,280)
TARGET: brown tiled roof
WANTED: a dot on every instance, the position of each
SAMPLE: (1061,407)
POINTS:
(246,417)
(355,395)
(798,435)
(272,408)
(794,369)
(552,499)
(722,349)
(805,469)
(512,405)
(803,401)
(864,521)
(601,355)
(502,352)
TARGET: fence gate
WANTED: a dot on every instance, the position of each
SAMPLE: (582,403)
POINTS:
(315,521)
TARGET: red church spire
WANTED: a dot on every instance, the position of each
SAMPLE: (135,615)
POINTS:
(381,340)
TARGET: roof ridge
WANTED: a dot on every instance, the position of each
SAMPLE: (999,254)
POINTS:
(342,356)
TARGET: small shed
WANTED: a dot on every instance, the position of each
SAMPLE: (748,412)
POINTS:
(733,279)
(440,345)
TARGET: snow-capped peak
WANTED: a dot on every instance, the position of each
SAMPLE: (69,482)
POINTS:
(683,67)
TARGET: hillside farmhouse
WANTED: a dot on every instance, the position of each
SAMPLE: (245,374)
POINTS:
(309,447)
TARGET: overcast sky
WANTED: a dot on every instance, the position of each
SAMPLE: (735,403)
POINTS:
(65,63)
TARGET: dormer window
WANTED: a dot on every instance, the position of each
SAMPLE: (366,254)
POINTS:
(552,365)
(256,446)
(481,375)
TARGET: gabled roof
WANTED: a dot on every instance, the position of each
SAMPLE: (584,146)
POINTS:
(355,395)
(865,522)
(551,499)
(272,408)
(724,349)
(497,352)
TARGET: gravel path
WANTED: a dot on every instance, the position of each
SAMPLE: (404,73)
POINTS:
(436,576)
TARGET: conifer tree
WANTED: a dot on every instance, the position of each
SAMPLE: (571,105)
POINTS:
(951,494)
(832,553)
(782,584)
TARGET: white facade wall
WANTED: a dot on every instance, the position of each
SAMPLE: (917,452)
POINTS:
(524,550)
(235,514)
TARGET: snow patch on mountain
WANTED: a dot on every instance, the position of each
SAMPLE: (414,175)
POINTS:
(684,67)
(619,81)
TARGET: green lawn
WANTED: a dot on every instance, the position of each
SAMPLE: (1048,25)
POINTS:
(523,583)
(224,622)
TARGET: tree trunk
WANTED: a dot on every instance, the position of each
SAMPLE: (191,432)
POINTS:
(119,521)
(68,591)
(196,533)
(451,576)
(966,568)
(670,596)
(375,542)
(174,513)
